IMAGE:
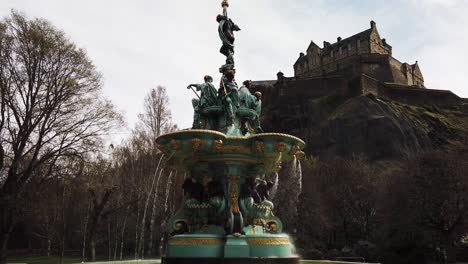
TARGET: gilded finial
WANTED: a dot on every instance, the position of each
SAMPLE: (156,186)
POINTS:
(225,5)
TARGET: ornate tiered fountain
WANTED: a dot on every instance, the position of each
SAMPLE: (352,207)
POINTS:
(226,216)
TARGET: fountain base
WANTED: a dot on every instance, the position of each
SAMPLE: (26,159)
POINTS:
(226,170)
(207,249)
(230,260)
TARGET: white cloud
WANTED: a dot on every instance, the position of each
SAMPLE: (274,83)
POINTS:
(140,44)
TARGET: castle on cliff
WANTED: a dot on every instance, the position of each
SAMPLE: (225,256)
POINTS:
(358,65)
(364,53)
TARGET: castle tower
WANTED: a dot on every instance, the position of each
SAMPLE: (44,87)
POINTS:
(363,53)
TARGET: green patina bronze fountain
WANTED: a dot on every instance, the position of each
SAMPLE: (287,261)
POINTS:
(226,216)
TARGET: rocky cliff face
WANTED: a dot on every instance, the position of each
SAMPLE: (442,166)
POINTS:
(365,126)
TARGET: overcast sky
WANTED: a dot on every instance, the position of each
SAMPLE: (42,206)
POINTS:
(139,44)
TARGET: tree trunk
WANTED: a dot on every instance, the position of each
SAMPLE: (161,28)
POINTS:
(64,227)
(98,208)
(49,246)
(85,231)
(122,237)
(116,237)
(4,246)
(450,249)
(93,250)
(7,223)
(109,238)
(136,228)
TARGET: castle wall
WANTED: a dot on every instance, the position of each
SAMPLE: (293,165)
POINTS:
(315,87)
(383,67)
(267,88)
(418,77)
(364,46)
(377,45)
(380,66)
(376,66)
(398,74)
(417,96)
(313,60)
(408,94)
(369,85)
(418,80)
(293,91)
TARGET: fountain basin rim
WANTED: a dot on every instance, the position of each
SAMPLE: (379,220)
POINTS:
(224,136)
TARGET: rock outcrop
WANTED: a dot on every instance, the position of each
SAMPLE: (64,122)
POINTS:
(366,126)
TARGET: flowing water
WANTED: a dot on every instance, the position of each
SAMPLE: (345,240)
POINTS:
(286,193)
(274,189)
(168,188)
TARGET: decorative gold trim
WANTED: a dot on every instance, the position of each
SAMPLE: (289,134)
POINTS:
(199,206)
(294,150)
(268,241)
(215,159)
(179,222)
(197,144)
(259,221)
(191,131)
(259,146)
(280,147)
(219,134)
(195,241)
(300,155)
(267,209)
(235,150)
(273,226)
(278,135)
(176,145)
(233,195)
(262,207)
(217,145)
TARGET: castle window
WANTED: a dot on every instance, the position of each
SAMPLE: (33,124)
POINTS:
(340,50)
(332,53)
(358,43)
(349,47)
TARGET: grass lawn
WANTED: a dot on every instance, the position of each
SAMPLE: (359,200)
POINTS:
(42,260)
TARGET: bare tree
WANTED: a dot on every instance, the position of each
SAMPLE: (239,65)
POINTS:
(157,116)
(439,197)
(51,107)
(5,48)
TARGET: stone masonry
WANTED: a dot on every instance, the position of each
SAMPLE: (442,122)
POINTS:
(358,65)
(364,53)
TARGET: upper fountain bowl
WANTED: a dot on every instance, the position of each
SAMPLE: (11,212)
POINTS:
(188,147)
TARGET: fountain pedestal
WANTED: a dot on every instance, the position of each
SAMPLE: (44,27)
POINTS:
(226,216)
(226,224)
